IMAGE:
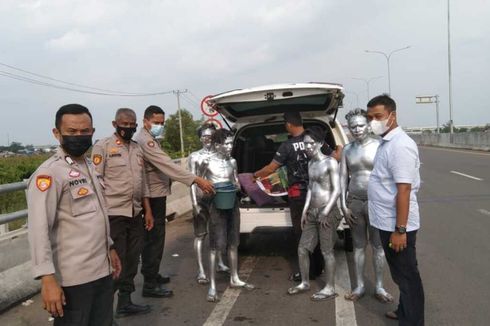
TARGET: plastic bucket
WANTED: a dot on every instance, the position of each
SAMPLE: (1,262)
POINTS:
(224,185)
(225,195)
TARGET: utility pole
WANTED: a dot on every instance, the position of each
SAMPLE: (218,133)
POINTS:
(177,93)
(449,71)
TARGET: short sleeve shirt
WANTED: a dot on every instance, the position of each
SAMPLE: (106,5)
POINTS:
(396,161)
(292,154)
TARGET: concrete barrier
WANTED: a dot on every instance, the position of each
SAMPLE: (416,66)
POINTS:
(17,284)
(463,140)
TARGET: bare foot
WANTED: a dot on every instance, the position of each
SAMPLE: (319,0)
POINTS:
(355,295)
(302,287)
(212,295)
(202,279)
(321,296)
(222,268)
(383,296)
(240,284)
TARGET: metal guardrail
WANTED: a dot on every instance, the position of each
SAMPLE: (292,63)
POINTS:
(11,187)
(17,186)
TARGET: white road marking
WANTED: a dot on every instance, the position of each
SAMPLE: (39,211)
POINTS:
(223,307)
(484,211)
(466,175)
(345,314)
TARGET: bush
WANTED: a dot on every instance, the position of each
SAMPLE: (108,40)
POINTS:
(16,169)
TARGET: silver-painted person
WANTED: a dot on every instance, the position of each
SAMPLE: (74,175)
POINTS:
(355,169)
(224,225)
(317,221)
(200,203)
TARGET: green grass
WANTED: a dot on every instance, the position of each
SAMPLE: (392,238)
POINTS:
(16,169)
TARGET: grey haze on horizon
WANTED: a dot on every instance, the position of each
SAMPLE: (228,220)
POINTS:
(213,46)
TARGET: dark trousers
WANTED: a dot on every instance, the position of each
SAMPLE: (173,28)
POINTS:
(154,242)
(88,304)
(405,273)
(296,206)
(128,236)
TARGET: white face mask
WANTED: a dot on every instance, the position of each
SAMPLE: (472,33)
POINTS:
(156,130)
(379,127)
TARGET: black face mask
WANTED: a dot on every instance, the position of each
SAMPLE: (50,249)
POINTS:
(76,146)
(126,133)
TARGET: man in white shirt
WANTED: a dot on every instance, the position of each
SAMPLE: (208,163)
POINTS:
(393,207)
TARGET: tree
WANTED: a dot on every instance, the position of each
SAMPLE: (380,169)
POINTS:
(446,127)
(171,138)
(15,147)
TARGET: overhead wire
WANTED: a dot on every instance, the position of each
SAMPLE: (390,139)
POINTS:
(95,90)
(61,81)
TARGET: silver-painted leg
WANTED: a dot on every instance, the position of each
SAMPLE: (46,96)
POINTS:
(212,292)
(304,268)
(201,274)
(234,278)
(379,262)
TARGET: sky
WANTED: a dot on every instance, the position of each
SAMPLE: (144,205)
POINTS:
(209,47)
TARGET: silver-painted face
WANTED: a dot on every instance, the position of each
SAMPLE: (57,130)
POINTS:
(312,147)
(358,127)
(206,137)
(225,148)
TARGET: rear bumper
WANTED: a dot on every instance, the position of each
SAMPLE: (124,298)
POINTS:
(252,218)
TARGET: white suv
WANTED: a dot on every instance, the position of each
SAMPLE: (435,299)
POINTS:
(258,125)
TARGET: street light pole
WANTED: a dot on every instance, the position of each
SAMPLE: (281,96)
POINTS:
(367,81)
(387,57)
(437,113)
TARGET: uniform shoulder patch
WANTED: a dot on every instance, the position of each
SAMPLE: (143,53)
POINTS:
(151,143)
(97,159)
(43,182)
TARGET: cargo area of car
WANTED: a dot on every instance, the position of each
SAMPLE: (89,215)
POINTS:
(256,144)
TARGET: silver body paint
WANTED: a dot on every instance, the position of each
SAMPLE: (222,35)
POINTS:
(196,166)
(221,167)
(321,198)
(355,169)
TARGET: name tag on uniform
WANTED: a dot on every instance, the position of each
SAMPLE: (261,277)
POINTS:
(77,182)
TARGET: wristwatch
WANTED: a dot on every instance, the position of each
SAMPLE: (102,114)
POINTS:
(402,229)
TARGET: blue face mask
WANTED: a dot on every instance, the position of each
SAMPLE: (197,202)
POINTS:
(156,130)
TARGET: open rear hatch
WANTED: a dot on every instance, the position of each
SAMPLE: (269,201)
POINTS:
(268,102)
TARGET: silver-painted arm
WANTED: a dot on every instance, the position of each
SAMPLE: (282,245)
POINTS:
(307,205)
(334,176)
(344,182)
(235,174)
(344,185)
(192,164)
